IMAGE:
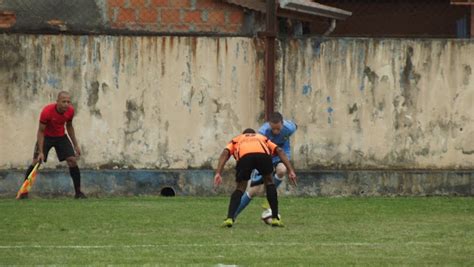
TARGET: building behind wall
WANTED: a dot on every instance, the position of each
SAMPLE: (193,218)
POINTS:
(370,18)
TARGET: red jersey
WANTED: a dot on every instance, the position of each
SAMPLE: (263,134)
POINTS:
(250,143)
(54,120)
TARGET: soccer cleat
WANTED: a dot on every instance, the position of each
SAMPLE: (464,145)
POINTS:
(80,195)
(265,204)
(277,223)
(228,222)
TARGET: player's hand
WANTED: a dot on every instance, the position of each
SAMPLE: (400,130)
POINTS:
(217,179)
(78,151)
(292,177)
(40,157)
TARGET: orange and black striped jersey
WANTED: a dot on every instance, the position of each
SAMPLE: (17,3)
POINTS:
(247,143)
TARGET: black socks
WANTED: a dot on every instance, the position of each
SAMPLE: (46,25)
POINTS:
(272,198)
(234,203)
(76,178)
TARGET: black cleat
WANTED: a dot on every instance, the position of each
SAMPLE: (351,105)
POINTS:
(80,195)
(23,196)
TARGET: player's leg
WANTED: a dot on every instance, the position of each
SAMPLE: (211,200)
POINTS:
(65,151)
(234,202)
(266,168)
(278,175)
(242,174)
(256,186)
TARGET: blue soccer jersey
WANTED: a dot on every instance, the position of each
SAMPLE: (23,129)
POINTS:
(282,139)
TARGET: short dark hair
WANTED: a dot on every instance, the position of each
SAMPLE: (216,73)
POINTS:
(275,117)
(248,130)
(63,93)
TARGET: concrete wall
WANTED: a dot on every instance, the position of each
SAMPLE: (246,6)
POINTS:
(375,103)
(52,183)
(142,102)
(171,103)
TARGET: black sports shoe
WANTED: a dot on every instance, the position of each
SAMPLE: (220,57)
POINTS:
(80,195)
(23,196)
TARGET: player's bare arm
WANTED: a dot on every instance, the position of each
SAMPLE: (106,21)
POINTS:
(220,166)
(284,159)
(72,135)
(40,141)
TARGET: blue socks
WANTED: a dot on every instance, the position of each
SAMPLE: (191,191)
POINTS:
(244,201)
(276,180)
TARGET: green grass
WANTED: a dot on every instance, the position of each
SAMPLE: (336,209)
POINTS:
(185,231)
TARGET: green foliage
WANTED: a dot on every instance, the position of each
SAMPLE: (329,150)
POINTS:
(186,231)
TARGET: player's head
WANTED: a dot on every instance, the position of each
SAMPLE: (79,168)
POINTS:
(276,122)
(63,101)
(248,130)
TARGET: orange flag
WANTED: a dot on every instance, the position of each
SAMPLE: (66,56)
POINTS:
(28,183)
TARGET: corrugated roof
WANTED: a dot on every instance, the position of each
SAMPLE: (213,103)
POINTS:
(302,9)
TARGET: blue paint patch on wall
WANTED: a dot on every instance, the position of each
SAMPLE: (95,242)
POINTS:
(307,89)
(70,62)
(329,110)
(53,82)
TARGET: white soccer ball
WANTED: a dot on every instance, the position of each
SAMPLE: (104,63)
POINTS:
(267,216)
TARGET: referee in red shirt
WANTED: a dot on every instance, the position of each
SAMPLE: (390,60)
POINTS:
(51,133)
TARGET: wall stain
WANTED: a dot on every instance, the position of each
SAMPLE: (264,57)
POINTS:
(409,79)
(11,57)
(353,108)
(405,111)
(134,115)
(466,74)
(93,98)
(373,80)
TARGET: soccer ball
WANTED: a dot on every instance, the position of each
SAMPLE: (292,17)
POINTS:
(267,216)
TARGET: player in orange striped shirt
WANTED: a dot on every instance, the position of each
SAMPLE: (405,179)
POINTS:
(252,151)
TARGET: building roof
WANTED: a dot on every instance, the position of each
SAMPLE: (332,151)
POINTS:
(297,9)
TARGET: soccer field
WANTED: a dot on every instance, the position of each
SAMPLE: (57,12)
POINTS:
(186,230)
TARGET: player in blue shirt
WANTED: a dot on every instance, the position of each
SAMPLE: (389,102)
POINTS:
(278,131)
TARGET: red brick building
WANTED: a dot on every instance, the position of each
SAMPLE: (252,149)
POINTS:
(369,18)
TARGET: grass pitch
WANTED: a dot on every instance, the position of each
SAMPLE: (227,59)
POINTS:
(186,231)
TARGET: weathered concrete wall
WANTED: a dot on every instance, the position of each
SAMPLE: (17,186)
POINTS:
(141,102)
(172,103)
(200,183)
(370,103)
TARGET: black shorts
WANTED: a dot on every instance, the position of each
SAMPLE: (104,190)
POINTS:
(61,144)
(260,161)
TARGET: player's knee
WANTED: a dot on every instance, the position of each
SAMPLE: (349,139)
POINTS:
(71,161)
(280,170)
(253,191)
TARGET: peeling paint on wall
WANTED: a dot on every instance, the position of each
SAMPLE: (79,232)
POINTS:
(173,102)
(141,102)
(400,103)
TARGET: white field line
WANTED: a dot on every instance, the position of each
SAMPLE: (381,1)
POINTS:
(259,244)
